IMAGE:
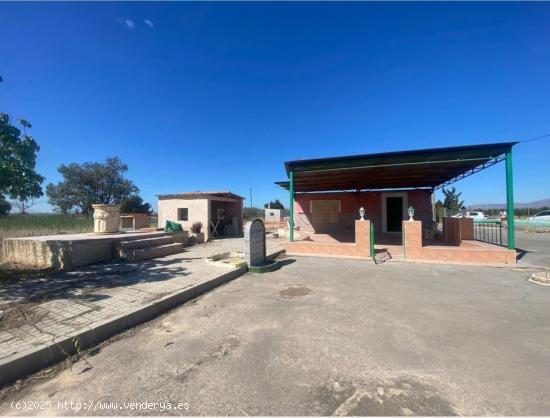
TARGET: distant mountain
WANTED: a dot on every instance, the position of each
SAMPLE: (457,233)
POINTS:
(534,205)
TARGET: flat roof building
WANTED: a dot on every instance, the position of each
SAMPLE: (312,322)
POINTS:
(220,213)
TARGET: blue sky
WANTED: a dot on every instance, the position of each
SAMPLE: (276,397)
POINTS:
(212,96)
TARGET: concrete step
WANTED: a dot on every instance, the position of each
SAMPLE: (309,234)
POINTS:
(145,242)
(154,252)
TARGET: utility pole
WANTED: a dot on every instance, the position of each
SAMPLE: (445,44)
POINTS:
(250,197)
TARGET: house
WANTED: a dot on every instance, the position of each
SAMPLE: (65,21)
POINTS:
(219,213)
(328,196)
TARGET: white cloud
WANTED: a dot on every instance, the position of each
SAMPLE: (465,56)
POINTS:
(149,23)
(129,23)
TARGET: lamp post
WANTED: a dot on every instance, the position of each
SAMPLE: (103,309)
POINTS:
(362,213)
(411,213)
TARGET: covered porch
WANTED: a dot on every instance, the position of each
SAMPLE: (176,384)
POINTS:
(327,197)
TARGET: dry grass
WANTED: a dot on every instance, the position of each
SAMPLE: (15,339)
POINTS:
(43,224)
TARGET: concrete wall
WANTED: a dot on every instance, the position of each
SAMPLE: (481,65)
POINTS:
(134,220)
(68,254)
(350,203)
(273,215)
(198,211)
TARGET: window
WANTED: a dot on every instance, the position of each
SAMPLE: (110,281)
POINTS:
(183,214)
(325,211)
(220,213)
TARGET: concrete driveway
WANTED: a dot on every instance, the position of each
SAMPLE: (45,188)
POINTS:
(325,336)
(534,248)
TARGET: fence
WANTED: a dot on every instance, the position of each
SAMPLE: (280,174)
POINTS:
(488,231)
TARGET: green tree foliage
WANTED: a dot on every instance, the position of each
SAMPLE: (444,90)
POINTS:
(439,210)
(90,183)
(452,200)
(18,177)
(135,204)
(274,205)
(5,206)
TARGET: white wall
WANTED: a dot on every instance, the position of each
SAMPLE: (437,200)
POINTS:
(277,216)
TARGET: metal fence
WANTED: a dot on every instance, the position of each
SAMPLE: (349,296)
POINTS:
(488,231)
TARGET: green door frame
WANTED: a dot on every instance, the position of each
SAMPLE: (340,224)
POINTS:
(510,201)
(291,214)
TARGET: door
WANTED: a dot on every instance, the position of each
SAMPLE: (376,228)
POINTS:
(394,213)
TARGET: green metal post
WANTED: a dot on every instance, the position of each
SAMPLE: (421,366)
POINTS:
(291,217)
(510,201)
(372,239)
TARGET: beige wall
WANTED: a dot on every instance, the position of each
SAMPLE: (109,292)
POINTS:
(198,211)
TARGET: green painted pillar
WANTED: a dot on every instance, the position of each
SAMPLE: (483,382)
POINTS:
(291,214)
(510,201)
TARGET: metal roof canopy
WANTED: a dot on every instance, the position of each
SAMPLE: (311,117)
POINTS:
(431,168)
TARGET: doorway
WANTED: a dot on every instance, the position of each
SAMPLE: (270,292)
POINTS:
(393,211)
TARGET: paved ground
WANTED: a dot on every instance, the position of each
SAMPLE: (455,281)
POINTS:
(536,247)
(325,336)
(37,312)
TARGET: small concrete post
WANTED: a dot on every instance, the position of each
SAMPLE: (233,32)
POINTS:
(254,243)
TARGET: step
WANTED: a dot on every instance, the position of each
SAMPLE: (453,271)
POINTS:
(154,252)
(146,242)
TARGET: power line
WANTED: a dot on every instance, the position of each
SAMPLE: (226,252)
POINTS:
(534,138)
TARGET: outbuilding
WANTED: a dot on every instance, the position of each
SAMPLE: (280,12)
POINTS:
(218,213)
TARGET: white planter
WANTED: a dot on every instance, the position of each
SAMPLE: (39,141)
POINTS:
(106,219)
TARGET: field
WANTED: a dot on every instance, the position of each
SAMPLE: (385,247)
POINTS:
(43,224)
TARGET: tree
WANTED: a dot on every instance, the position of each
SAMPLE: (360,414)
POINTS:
(5,207)
(251,213)
(18,177)
(274,205)
(23,205)
(452,201)
(135,204)
(90,183)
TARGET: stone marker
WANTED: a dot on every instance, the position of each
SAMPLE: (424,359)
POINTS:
(106,219)
(254,243)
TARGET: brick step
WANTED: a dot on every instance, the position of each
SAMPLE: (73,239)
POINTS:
(154,252)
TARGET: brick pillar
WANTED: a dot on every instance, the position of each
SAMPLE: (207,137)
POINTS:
(362,234)
(412,235)
(466,228)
